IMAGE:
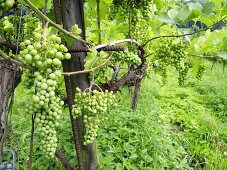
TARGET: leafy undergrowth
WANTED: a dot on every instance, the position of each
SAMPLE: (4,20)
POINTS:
(173,128)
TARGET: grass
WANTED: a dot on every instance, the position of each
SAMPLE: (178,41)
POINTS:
(173,128)
(179,127)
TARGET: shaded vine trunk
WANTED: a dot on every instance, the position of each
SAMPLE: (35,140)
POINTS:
(72,11)
(9,79)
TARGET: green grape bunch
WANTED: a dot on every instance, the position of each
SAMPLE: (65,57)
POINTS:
(103,75)
(44,53)
(92,106)
(6,4)
(200,71)
(127,57)
(172,52)
(139,9)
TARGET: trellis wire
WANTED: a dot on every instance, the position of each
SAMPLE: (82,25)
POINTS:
(14,67)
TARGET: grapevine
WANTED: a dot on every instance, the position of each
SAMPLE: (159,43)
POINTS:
(138,9)
(92,106)
(200,71)
(127,57)
(173,53)
(44,53)
(6,4)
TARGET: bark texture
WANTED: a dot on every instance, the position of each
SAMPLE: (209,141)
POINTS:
(9,79)
(72,11)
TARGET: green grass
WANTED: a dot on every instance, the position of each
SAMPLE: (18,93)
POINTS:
(179,127)
(173,128)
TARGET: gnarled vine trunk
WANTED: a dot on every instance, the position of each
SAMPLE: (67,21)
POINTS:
(9,79)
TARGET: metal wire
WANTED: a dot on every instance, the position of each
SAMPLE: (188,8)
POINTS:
(15,67)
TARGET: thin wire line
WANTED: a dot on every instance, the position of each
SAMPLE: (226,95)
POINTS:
(14,78)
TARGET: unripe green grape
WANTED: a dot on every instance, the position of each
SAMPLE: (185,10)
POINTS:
(44,101)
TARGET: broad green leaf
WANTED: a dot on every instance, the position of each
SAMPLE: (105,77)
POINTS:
(104,11)
(108,2)
(183,13)
(193,6)
(68,39)
(164,18)
(172,13)
(208,8)
(41,3)
(194,14)
(224,44)
(223,11)
(159,4)
(207,19)
(222,54)
(90,58)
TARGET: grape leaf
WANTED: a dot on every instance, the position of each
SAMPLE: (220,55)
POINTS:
(41,4)
(222,54)
(194,14)
(208,8)
(90,59)
(164,18)
(224,44)
(183,13)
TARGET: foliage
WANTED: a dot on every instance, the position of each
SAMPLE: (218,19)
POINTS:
(177,127)
(169,130)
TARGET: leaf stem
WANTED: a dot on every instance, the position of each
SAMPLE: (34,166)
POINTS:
(117,42)
(90,70)
(5,56)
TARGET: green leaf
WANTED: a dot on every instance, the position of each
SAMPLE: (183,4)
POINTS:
(208,8)
(76,30)
(68,39)
(183,13)
(41,4)
(90,59)
(194,14)
(224,46)
(133,156)
(222,54)
(164,18)
(193,6)
(207,19)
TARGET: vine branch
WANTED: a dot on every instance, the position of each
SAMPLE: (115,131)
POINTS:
(33,7)
(182,35)
(98,20)
(4,42)
(90,70)
(200,56)
(117,42)
(64,161)
(5,56)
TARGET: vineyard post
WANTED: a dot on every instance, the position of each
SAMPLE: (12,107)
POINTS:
(72,11)
(9,79)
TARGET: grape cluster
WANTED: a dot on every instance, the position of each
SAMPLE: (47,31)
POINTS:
(200,72)
(6,4)
(92,107)
(138,9)
(183,71)
(43,54)
(172,52)
(8,24)
(127,57)
(103,75)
